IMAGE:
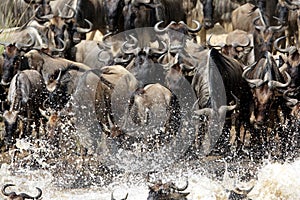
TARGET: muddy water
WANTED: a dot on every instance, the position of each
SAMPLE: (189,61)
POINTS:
(209,178)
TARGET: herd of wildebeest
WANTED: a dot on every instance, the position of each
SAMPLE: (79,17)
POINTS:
(149,51)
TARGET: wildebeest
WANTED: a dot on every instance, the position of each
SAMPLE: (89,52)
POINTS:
(211,73)
(19,12)
(62,30)
(107,90)
(26,94)
(113,198)
(21,196)
(105,16)
(60,75)
(157,107)
(254,22)
(291,64)
(141,13)
(238,46)
(169,190)
(266,81)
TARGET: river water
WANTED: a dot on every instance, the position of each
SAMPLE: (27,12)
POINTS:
(208,178)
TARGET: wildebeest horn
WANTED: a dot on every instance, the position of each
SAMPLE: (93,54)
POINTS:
(65,16)
(276,28)
(221,45)
(105,43)
(158,30)
(253,82)
(277,84)
(257,26)
(289,50)
(4,188)
(59,75)
(106,58)
(54,49)
(291,101)
(26,196)
(112,196)
(44,113)
(142,1)
(22,45)
(85,30)
(235,44)
(133,48)
(192,30)
(23,195)
(163,51)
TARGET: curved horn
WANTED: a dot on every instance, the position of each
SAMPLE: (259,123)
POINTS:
(26,196)
(235,44)
(44,113)
(45,17)
(85,30)
(158,30)
(163,51)
(22,46)
(70,16)
(257,26)
(105,43)
(286,50)
(277,84)
(133,50)
(54,49)
(221,45)
(275,28)
(59,75)
(253,82)
(4,188)
(291,101)
(107,57)
(192,30)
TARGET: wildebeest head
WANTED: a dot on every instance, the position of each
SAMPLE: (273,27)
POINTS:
(264,36)
(21,196)
(10,122)
(265,80)
(177,33)
(208,12)
(282,12)
(237,45)
(41,7)
(142,65)
(167,190)
(113,10)
(13,60)
(64,32)
(139,13)
(292,62)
